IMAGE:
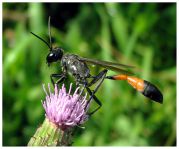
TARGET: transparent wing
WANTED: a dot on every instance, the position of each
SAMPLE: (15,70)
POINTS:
(109,65)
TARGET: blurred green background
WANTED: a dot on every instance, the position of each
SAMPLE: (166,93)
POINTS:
(138,34)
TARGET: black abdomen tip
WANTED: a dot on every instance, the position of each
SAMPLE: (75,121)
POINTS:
(152,92)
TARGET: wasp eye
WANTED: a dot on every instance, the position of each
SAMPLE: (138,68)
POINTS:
(51,54)
(50,57)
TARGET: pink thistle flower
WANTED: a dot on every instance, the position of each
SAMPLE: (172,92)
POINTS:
(63,109)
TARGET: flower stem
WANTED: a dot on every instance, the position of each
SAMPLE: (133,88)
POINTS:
(48,134)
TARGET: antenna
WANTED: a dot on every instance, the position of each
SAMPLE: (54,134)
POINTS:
(49,32)
(42,40)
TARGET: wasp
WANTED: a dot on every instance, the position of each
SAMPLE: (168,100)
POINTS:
(78,68)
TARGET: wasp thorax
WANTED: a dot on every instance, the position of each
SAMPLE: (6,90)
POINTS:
(54,55)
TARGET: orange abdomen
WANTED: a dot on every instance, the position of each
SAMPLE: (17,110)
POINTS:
(135,82)
(146,88)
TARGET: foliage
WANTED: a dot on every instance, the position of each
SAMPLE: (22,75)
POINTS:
(139,34)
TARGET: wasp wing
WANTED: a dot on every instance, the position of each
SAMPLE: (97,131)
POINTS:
(109,65)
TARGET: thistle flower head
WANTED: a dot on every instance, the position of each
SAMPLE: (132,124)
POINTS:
(65,109)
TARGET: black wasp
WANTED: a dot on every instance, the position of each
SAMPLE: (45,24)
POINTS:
(77,67)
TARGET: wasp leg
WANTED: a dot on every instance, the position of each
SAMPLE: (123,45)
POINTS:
(88,102)
(100,77)
(92,96)
(60,76)
(82,90)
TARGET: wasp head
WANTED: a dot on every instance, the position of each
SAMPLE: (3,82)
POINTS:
(54,55)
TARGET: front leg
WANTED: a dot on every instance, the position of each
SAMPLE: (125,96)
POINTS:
(61,77)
